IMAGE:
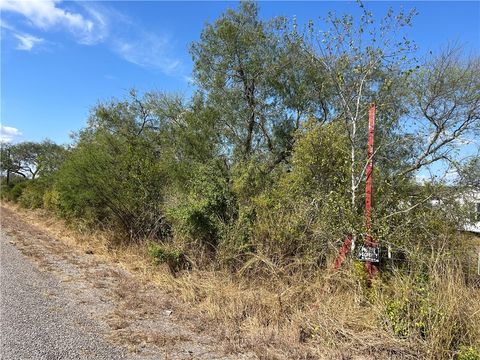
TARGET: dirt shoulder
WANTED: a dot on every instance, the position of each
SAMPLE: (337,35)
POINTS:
(136,314)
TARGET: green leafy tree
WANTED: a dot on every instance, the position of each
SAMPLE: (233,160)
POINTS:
(29,159)
(229,64)
(115,170)
(470,174)
(366,61)
(310,200)
(7,166)
(254,78)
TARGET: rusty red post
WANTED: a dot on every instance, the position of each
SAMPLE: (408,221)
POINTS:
(347,244)
(369,241)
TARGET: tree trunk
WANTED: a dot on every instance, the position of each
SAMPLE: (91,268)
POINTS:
(352,166)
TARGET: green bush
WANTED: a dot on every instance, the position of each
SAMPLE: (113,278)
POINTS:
(201,212)
(77,199)
(173,257)
(5,190)
(51,200)
(115,177)
(15,192)
(32,195)
(306,209)
(409,310)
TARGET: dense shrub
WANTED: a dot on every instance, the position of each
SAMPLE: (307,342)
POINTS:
(51,200)
(114,178)
(207,205)
(306,209)
(469,353)
(16,191)
(173,257)
(77,199)
(32,195)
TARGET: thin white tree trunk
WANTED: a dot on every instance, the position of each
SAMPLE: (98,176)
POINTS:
(352,165)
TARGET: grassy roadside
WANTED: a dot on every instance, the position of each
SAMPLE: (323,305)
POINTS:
(278,316)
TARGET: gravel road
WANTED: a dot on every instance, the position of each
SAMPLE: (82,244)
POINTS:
(58,301)
(37,321)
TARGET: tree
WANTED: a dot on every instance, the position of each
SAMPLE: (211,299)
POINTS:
(469,174)
(117,171)
(446,107)
(29,159)
(7,165)
(365,63)
(230,65)
(254,77)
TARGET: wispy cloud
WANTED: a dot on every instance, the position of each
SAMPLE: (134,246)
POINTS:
(110,77)
(27,42)
(93,23)
(148,50)
(5,25)
(8,133)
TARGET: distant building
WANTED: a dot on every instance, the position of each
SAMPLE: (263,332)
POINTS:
(472,198)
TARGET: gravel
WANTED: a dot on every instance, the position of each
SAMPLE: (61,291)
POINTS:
(37,318)
(58,301)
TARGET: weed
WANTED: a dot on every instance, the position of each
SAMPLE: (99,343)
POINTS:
(174,258)
(468,353)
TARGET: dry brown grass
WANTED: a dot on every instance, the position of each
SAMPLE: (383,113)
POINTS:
(290,318)
(329,316)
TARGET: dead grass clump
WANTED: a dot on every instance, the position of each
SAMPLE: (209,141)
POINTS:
(436,309)
(289,318)
(454,317)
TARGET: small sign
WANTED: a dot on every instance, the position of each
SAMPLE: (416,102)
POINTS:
(369,253)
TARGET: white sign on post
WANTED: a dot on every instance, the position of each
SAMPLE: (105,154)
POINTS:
(369,253)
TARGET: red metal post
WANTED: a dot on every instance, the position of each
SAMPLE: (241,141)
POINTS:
(372,269)
(369,241)
(347,244)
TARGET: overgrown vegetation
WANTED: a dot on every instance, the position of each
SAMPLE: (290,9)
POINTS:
(260,175)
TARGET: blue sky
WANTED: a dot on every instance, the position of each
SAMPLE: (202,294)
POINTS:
(60,58)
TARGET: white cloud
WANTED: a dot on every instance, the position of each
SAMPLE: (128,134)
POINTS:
(148,50)
(46,14)
(8,133)
(93,23)
(27,42)
(100,24)
(5,25)
(189,79)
